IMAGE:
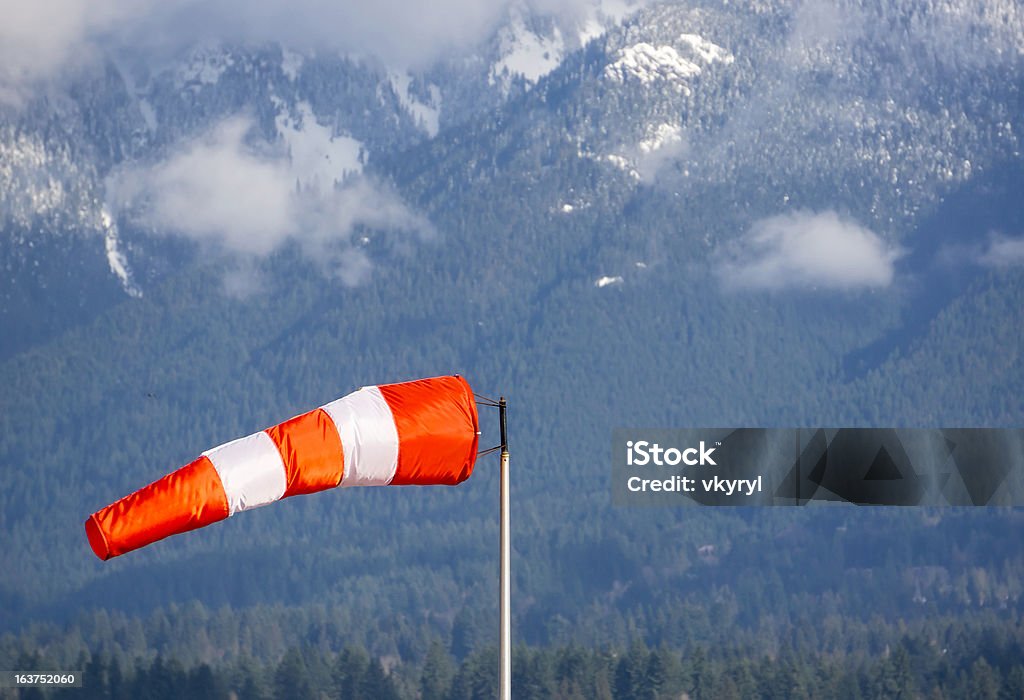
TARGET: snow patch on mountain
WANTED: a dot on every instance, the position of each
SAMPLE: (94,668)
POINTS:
(648,64)
(524,50)
(624,164)
(426,115)
(41,188)
(319,159)
(661,136)
(666,64)
(661,144)
(116,259)
(29,186)
(526,53)
(664,144)
(709,52)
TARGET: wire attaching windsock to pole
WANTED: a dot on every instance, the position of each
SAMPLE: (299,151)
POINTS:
(420,432)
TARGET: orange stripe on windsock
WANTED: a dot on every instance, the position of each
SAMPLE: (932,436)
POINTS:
(437,427)
(184,500)
(311,451)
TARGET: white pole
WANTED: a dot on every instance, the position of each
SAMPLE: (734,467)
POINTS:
(505,627)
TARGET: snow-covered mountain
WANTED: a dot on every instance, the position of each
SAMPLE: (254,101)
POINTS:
(316,119)
(319,117)
(876,111)
(882,110)
(57,150)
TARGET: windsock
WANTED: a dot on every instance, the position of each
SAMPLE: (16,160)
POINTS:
(420,432)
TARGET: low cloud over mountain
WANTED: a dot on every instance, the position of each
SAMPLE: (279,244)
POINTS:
(241,198)
(42,41)
(808,249)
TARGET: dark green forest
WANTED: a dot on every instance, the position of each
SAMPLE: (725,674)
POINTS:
(942,658)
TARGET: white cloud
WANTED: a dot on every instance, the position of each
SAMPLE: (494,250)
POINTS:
(817,24)
(41,40)
(665,145)
(997,250)
(238,198)
(805,250)
(214,188)
(1003,251)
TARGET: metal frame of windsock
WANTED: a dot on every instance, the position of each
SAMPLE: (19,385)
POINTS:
(420,432)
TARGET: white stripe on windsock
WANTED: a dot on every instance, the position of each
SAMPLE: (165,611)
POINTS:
(251,471)
(369,437)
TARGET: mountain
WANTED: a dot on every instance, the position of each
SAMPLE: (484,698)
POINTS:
(330,113)
(709,214)
(61,154)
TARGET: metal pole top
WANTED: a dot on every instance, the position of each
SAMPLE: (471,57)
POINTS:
(502,406)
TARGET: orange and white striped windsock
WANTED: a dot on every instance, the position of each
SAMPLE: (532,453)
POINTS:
(420,432)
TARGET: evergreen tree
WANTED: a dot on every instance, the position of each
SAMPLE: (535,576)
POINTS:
(376,684)
(436,677)
(203,685)
(983,682)
(350,673)
(291,680)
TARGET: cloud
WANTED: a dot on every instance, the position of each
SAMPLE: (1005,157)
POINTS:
(239,197)
(997,250)
(216,189)
(807,249)
(817,24)
(1003,251)
(665,145)
(402,31)
(41,40)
